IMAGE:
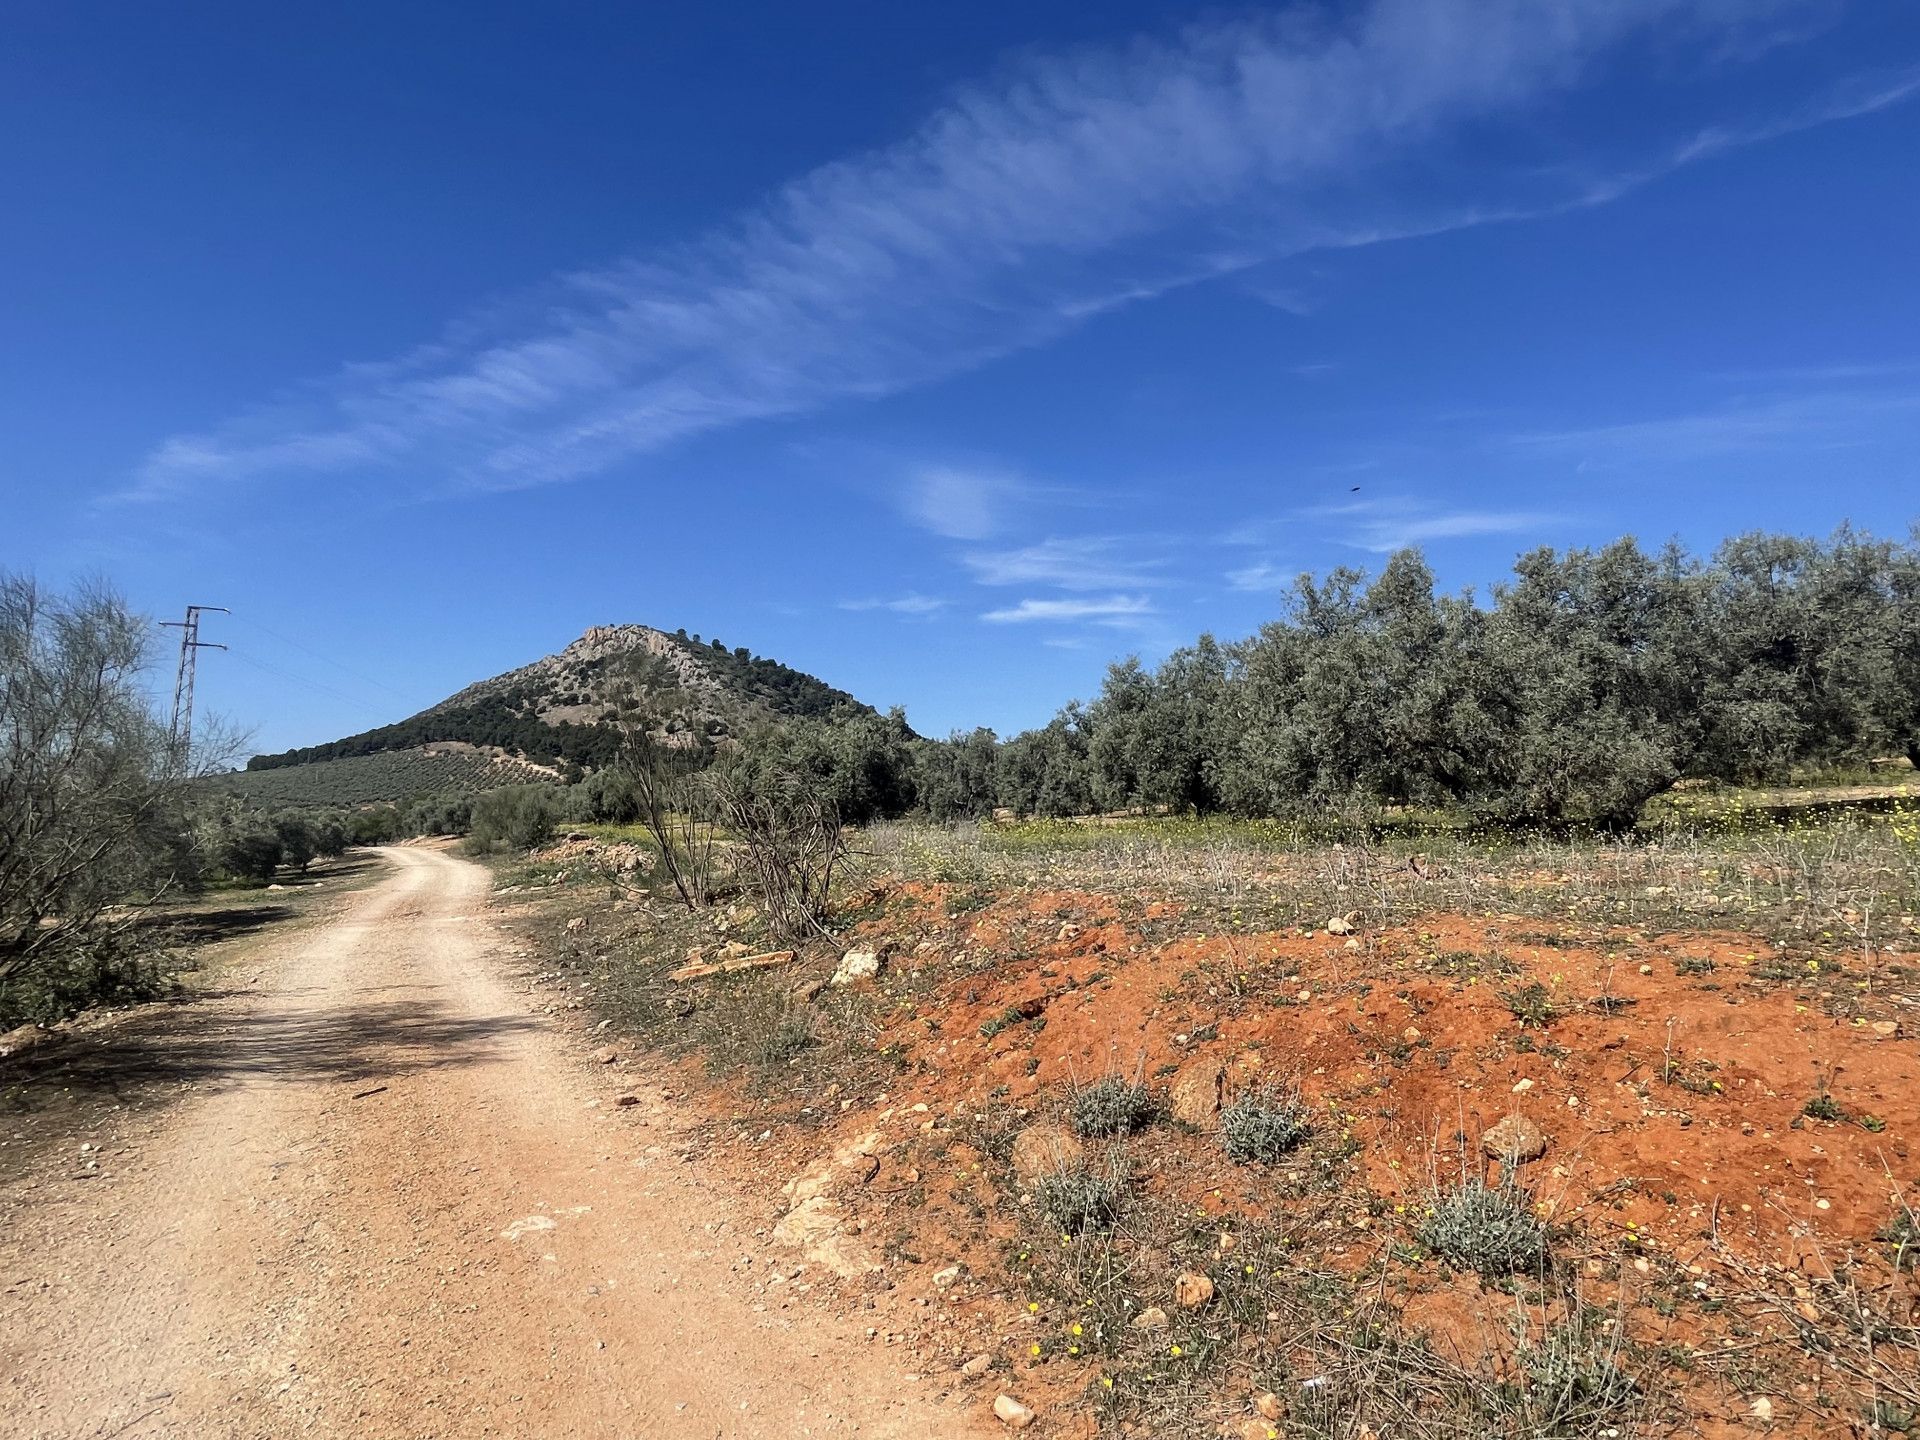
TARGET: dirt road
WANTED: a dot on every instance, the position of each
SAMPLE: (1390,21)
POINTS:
(385,1204)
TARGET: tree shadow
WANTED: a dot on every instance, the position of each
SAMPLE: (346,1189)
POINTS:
(207,927)
(174,1050)
(214,915)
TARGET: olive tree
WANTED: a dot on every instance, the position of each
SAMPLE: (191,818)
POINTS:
(92,794)
(519,817)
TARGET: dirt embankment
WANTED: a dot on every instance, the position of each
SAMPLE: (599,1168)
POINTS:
(1727,1133)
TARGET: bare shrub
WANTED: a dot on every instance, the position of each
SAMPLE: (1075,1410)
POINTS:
(679,809)
(789,831)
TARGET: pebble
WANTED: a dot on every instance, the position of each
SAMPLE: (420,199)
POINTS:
(1011,1413)
(1191,1290)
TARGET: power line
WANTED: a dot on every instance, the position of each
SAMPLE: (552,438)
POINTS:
(273,634)
(264,668)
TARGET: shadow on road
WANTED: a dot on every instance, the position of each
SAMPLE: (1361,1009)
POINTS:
(210,926)
(201,1045)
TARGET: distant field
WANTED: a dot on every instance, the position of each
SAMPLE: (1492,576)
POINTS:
(391,775)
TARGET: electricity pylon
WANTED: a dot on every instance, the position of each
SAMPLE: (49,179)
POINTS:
(190,647)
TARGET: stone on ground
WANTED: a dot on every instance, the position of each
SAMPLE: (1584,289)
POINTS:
(1011,1413)
(1042,1150)
(1515,1138)
(1197,1093)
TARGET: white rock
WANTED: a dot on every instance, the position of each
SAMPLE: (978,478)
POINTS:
(858,965)
(1011,1413)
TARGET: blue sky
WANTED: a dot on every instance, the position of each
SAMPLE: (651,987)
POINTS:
(948,352)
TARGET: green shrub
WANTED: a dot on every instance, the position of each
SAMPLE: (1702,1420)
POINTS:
(518,817)
(1531,1004)
(1078,1199)
(1575,1383)
(1492,1230)
(250,850)
(1260,1129)
(1112,1106)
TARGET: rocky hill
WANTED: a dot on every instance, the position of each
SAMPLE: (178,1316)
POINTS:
(571,708)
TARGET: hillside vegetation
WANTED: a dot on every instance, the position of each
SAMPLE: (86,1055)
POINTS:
(390,775)
(572,707)
(1583,687)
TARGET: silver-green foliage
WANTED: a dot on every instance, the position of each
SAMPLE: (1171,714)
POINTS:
(92,797)
(1488,1228)
(1260,1129)
(1576,1384)
(1585,685)
(1078,1199)
(1112,1106)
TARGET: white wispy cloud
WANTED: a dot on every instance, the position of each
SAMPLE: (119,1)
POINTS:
(1854,96)
(1110,607)
(1813,420)
(959,504)
(914,604)
(1062,188)
(1260,576)
(1093,562)
(1380,524)
(1389,533)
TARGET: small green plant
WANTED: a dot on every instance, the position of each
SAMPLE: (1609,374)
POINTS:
(1007,1018)
(1890,1417)
(1492,1230)
(1259,1129)
(787,1039)
(1824,1107)
(1112,1106)
(1079,1200)
(1531,1004)
(1470,964)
